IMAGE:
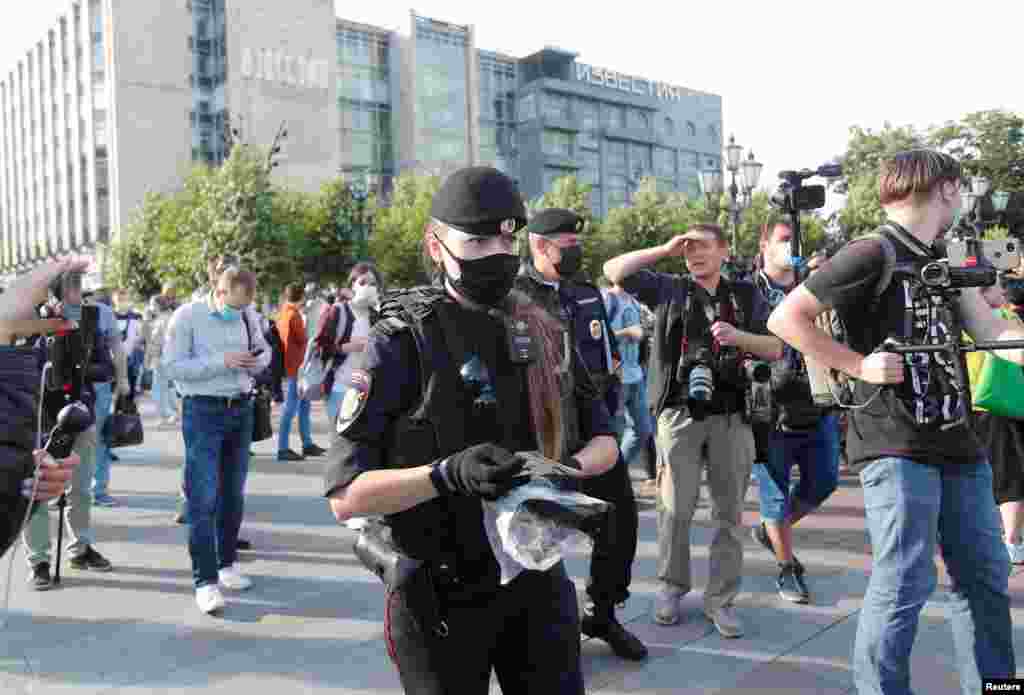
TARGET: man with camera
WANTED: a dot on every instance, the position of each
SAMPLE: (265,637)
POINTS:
(19,399)
(706,328)
(99,344)
(212,351)
(793,430)
(925,475)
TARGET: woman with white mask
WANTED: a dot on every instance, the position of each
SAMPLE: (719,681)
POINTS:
(344,330)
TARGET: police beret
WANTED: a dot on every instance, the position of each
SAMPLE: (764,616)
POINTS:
(555,221)
(481,201)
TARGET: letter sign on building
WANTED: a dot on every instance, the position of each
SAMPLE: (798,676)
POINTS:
(626,83)
(275,66)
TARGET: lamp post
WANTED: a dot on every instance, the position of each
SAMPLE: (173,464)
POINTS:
(971,197)
(740,195)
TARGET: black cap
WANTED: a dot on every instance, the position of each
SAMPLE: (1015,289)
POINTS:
(480,201)
(555,221)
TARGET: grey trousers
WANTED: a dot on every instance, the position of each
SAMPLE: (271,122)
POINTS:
(730,457)
(78,512)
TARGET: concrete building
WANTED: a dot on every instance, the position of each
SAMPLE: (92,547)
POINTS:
(122,97)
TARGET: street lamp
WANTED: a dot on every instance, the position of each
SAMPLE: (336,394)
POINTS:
(971,198)
(712,183)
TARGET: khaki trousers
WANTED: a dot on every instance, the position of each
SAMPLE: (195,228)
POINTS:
(730,456)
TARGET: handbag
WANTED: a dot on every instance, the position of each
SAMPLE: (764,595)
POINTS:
(999,387)
(124,426)
(312,374)
(262,427)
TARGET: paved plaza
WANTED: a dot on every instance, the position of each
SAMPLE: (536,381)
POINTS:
(312,623)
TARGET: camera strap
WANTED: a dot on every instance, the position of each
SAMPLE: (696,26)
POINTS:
(712,312)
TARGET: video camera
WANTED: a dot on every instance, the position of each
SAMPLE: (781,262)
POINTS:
(793,197)
(971,262)
(68,352)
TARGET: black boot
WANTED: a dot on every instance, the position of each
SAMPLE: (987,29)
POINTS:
(600,622)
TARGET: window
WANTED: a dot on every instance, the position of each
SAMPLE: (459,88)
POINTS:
(614,116)
(589,124)
(688,160)
(668,126)
(712,132)
(640,159)
(556,106)
(590,167)
(616,156)
(691,129)
(664,163)
(638,120)
(557,143)
(616,184)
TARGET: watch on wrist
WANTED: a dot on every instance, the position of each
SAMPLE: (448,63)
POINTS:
(438,479)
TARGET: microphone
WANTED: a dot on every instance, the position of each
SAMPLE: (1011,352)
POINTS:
(72,420)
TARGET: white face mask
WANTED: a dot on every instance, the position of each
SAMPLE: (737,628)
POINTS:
(780,255)
(365,295)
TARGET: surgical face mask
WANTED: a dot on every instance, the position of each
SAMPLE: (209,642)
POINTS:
(365,295)
(486,280)
(72,312)
(572,261)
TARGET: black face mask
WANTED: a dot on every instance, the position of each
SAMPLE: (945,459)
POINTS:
(486,280)
(572,261)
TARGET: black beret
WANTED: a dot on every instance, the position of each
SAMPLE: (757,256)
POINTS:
(480,201)
(555,221)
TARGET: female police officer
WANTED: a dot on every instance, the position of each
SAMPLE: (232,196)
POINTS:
(437,403)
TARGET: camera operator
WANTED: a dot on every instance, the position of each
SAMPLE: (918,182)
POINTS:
(99,372)
(19,393)
(704,327)
(926,478)
(797,432)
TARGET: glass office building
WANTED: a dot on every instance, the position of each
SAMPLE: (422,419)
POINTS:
(120,99)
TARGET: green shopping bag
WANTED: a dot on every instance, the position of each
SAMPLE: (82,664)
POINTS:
(1000,388)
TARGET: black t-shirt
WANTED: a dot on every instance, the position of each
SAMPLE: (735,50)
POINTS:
(923,418)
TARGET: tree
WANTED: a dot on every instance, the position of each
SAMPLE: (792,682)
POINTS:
(134,256)
(987,144)
(397,238)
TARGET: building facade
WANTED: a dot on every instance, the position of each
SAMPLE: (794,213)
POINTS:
(123,97)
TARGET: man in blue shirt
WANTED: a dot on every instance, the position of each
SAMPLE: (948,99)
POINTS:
(634,419)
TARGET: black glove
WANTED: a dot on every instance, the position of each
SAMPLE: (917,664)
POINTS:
(484,470)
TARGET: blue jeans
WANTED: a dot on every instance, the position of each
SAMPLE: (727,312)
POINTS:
(217,440)
(634,422)
(104,398)
(911,506)
(334,405)
(293,405)
(816,453)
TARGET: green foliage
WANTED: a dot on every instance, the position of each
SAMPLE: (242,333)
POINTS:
(987,143)
(397,239)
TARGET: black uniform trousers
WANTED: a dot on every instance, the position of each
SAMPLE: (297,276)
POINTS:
(527,631)
(611,564)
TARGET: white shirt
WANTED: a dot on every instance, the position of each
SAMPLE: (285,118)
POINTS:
(360,329)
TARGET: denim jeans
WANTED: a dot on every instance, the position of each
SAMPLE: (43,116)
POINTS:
(634,422)
(816,453)
(293,405)
(134,366)
(217,440)
(911,506)
(334,405)
(101,480)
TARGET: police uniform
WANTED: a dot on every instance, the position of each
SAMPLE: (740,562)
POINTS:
(435,379)
(580,308)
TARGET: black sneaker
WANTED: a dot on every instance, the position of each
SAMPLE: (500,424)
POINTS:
(313,450)
(243,545)
(39,578)
(90,560)
(791,584)
(760,534)
(289,455)
(603,626)
(113,457)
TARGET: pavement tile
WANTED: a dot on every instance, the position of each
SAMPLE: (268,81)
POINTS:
(784,679)
(686,672)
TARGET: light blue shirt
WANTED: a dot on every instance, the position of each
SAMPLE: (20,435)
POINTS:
(194,350)
(627,314)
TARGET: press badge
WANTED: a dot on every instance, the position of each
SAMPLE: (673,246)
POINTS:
(521,345)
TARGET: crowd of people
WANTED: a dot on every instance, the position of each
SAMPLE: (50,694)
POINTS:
(435,392)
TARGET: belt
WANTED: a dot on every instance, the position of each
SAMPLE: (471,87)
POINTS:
(226,401)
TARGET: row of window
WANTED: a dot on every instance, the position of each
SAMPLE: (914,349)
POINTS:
(591,115)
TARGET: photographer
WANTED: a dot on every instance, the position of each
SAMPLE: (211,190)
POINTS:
(19,394)
(926,478)
(798,432)
(99,371)
(705,325)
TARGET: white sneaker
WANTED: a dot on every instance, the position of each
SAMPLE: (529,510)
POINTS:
(209,599)
(231,578)
(356,523)
(666,604)
(1016,551)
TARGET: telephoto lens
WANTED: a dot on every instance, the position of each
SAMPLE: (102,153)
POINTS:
(701,384)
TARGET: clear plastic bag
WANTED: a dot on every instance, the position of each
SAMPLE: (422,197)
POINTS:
(533,526)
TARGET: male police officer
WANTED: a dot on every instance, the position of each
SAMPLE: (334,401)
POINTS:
(554,237)
(436,405)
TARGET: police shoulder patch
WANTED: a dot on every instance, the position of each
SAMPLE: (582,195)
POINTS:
(595,329)
(355,399)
